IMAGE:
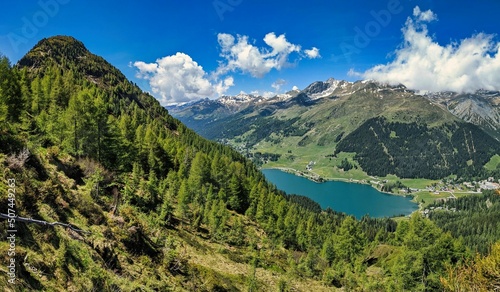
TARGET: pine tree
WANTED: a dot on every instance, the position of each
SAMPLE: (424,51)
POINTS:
(38,101)
(183,200)
(166,208)
(10,92)
(235,200)
(349,240)
(198,176)
(328,251)
(100,118)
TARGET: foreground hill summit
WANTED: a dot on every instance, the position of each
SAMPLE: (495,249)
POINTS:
(388,129)
(145,204)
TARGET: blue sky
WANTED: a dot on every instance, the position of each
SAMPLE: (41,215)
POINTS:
(185,50)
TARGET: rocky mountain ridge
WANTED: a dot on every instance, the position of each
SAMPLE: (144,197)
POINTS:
(481,108)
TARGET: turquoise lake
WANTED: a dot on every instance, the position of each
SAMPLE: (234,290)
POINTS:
(351,198)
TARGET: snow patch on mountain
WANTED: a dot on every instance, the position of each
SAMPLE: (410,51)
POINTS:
(322,89)
(240,98)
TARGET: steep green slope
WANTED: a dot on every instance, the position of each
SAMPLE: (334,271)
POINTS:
(163,209)
(104,156)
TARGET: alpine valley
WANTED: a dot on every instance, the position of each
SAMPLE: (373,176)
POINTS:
(340,129)
(103,190)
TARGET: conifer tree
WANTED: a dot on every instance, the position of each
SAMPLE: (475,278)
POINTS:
(235,200)
(183,200)
(349,240)
(10,92)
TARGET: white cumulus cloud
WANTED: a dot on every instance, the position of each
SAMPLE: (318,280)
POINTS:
(240,54)
(223,86)
(423,64)
(312,53)
(178,79)
(424,16)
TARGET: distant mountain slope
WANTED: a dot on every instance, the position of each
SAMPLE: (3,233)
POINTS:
(208,117)
(413,150)
(319,103)
(481,108)
(324,113)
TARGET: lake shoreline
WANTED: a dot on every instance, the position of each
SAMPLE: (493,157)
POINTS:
(319,179)
(341,194)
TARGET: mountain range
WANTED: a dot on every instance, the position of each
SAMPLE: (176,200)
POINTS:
(481,108)
(337,116)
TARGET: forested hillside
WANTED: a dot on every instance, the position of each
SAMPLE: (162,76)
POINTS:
(475,219)
(164,209)
(413,150)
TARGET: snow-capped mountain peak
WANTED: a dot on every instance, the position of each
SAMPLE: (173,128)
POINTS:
(239,99)
(320,89)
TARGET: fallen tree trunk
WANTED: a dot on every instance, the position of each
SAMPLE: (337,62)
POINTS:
(41,222)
